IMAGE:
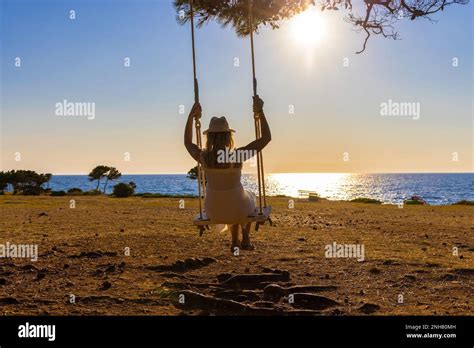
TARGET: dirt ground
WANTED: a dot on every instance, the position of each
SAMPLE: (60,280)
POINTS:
(143,256)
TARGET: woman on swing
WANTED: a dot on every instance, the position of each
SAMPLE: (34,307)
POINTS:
(226,201)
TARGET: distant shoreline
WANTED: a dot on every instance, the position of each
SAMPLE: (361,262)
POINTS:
(434,188)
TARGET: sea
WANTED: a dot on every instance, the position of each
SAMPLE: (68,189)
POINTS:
(436,189)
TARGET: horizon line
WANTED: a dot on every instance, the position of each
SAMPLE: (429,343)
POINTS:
(346,173)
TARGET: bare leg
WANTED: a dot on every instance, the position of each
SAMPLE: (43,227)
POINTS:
(246,244)
(234,229)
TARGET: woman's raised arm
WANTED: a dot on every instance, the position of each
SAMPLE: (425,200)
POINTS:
(192,148)
(266,136)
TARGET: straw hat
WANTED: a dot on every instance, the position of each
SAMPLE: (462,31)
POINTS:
(218,124)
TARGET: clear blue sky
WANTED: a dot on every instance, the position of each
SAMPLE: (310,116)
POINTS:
(337,108)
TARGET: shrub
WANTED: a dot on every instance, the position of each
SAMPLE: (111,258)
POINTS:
(74,191)
(123,190)
(414,202)
(32,190)
(92,193)
(366,200)
(58,193)
(464,202)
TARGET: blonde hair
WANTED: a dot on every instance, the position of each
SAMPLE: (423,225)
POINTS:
(215,142)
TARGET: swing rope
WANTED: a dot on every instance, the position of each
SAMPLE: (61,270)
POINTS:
(258,131)
(197,121)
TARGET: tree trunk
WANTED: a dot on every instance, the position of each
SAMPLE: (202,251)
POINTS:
(98,183)
(105,185)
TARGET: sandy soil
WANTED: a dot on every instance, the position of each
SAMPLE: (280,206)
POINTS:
(82,257)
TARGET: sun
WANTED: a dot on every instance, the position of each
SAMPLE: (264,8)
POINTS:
(308,28)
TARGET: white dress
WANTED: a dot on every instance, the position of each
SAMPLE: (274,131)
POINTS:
(226,200)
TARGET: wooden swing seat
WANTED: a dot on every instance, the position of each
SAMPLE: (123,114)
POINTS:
(255,217)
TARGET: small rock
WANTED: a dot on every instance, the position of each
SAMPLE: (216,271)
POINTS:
(375,270)
(8,300)
(208,260)
(105,286)
(29,268)
(273,292)
(180,265)
(391,263)
(464,271)
(448,277)
(432,265)
(273,270)
(43,214)
(223,277)
(110,269)
(256,280)
(311,301)
(190,262)
(369,308)
(40,276)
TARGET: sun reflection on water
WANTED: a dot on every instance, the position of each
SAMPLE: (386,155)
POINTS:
(331,185)
(388,188)
(325,184)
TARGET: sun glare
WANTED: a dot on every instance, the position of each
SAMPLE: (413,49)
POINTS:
(308,28)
